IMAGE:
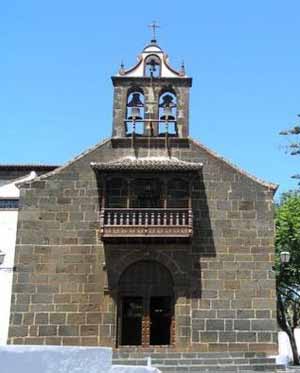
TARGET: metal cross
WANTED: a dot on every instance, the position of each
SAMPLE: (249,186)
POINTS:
(154,26)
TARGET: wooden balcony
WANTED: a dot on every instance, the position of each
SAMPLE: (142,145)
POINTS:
(150,222)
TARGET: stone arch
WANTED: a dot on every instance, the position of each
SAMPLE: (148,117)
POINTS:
(179,276)
(168,88)
(160,90)
(146,304)
(135,88)
(149,275)
(152,66)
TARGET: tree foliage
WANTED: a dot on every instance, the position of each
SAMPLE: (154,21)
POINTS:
(288,235)
(293,146)
(288,276)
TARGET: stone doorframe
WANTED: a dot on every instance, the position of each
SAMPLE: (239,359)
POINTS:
(181,290)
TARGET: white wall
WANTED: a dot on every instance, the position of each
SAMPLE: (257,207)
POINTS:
(8,228)
(55,359)
(285,350)
(8,231)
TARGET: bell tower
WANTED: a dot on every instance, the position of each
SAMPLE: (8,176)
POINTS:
(151,99)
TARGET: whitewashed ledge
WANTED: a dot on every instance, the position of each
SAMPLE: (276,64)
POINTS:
(55,359)
(63,359)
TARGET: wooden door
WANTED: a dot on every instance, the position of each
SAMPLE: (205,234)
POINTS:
(132,318)
(160,320)
(146,305)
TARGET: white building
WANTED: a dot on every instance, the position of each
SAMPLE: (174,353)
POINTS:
(10,176)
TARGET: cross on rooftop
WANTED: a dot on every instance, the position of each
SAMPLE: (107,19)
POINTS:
(154,26)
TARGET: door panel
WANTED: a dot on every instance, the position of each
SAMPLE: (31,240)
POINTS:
(161,318)
(146,306)
(132,315)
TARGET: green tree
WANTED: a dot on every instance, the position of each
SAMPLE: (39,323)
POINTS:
(293,145)
(288,275)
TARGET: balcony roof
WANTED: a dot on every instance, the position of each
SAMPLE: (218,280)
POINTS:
(148,164)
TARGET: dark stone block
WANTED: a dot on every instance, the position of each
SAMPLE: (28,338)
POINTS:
(264,324)
(47,330)
(242,324)
(208,337)
(227,337)
(41,318)
(246,337)
(68,330)
(215,324)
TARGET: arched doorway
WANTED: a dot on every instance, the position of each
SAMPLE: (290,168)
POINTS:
(146,305)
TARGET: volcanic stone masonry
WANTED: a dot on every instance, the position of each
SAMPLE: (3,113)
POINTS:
(66,289)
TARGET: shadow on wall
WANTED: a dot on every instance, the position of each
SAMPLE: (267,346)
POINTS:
(180,257)
(202,244)
(145,268)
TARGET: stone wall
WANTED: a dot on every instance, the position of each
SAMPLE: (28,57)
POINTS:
(63,293)
(152,90)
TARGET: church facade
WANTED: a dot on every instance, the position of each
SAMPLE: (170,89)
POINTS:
(149,239)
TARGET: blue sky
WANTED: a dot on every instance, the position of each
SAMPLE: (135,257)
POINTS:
(57,58)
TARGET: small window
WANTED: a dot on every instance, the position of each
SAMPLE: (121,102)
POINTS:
(152,66)
(9,204)
(146,193)
(116,193)
(178,193)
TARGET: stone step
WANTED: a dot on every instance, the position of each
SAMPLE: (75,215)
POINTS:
(180,362)
(194,362)
(220,368)
(186,355)
(292,369)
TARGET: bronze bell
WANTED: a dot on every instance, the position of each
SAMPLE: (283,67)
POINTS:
(135,104)
(135,113)
(167,105)
(135,101)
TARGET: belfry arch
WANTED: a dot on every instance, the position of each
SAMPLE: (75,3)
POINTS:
(146,305)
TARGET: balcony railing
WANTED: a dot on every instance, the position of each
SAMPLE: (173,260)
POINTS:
(146,222)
